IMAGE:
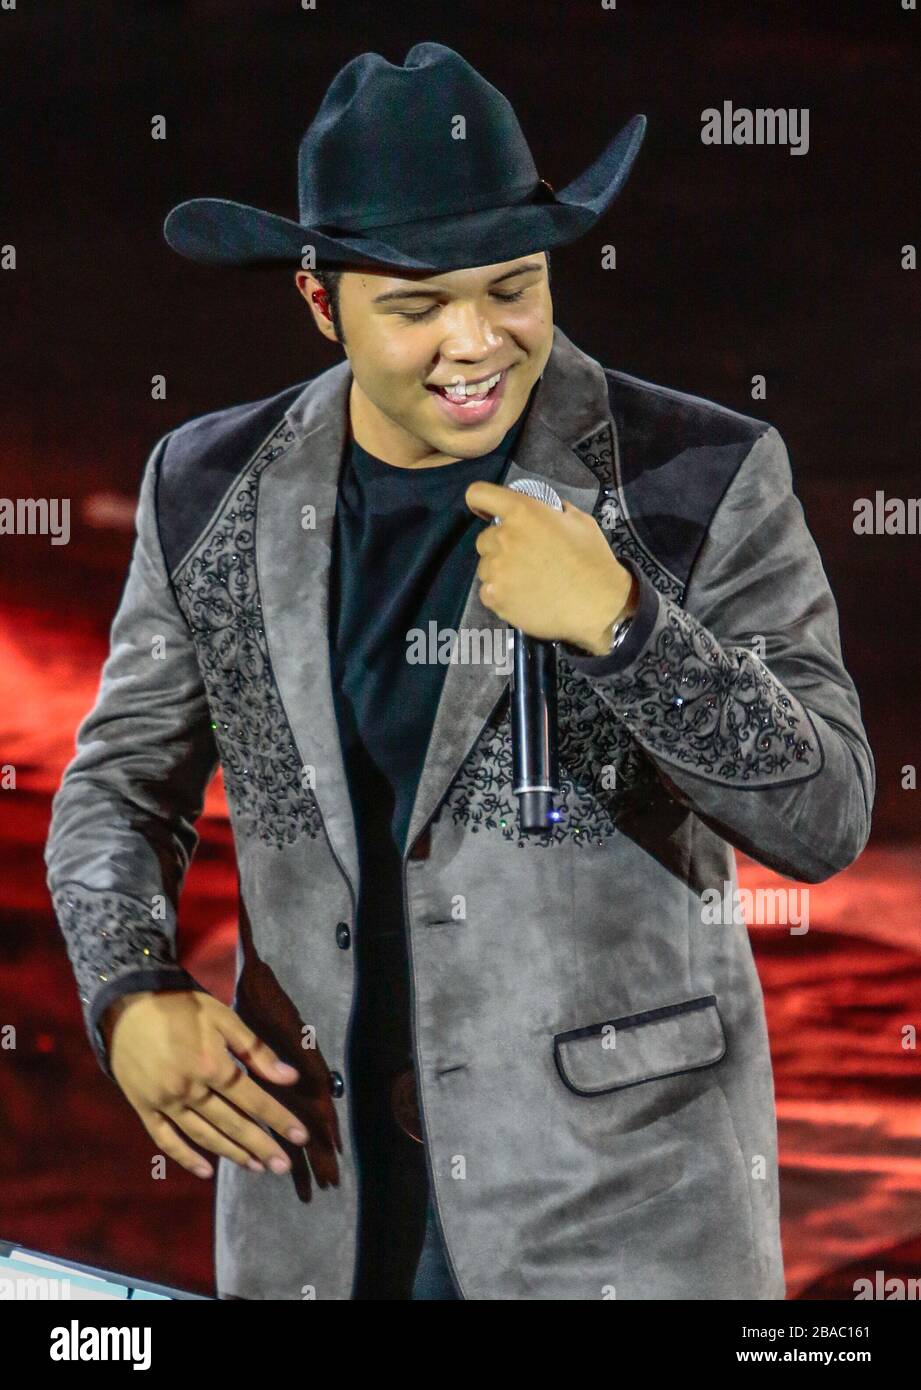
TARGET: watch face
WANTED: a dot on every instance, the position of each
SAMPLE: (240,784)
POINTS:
(620,632)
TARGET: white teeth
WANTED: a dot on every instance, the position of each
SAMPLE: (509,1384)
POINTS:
(461,394)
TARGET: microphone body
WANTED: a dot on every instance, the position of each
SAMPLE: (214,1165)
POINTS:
(535,757)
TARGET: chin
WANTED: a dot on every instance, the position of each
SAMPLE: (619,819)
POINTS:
(470,444)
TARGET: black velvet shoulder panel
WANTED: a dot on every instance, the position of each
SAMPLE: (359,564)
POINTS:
(678,455)
(201,460)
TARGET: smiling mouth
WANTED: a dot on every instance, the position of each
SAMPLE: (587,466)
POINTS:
(470,393)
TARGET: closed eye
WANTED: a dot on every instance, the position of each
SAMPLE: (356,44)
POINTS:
(426,313)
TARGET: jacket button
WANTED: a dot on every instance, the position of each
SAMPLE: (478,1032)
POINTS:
(336,1084)
(343,936)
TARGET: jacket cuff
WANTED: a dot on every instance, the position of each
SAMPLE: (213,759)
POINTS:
(642,625)
(116,946)
(717,712)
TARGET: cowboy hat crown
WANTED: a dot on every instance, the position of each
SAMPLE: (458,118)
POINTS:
(421,166)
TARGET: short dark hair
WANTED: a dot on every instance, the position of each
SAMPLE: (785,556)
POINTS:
(330,281)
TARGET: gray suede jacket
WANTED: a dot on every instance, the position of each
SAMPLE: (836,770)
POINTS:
(593,1067)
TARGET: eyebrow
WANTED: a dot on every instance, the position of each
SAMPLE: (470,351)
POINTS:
(416,293)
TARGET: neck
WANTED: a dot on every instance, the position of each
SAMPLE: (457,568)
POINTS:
(385,439)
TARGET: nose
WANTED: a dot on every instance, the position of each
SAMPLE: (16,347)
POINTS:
(470,336)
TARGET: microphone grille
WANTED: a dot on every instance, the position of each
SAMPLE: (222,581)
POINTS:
(535,487)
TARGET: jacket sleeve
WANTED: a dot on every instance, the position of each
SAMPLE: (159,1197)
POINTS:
(771,753)
(122,821)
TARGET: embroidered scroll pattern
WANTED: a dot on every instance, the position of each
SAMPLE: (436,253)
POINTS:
(718,711)
(217,590)
(108,933)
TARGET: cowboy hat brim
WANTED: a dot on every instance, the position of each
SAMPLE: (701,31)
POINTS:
(216,231)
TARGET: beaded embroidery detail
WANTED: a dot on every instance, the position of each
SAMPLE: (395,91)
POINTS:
(218,592)
(602,770)
(732,720)
(108,933)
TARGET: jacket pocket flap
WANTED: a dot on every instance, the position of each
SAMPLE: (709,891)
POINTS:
(640,1047)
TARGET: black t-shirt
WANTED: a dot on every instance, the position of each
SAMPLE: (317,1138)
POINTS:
(403,556)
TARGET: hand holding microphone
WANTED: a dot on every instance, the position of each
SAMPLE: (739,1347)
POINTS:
(547,569)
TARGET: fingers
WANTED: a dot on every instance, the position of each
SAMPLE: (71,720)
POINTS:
(205,1093)
(257,1055)
(490,541)
(488,500)
(216,1126)
(163,1129)
(220,1076)
(247,1096)
(168,1142)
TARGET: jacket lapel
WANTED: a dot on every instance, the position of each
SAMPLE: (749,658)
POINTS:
(295,512)
(293,553)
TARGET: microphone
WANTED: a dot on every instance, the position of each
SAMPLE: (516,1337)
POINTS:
(536,772)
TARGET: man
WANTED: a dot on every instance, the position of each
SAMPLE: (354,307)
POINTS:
(486,1063)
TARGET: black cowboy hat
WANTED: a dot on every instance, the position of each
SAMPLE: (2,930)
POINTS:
(417,167)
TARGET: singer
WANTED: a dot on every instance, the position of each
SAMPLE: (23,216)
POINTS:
(463,1061)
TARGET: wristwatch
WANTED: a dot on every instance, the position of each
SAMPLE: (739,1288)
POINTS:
(618,633)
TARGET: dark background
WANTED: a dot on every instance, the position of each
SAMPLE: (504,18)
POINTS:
(732,261)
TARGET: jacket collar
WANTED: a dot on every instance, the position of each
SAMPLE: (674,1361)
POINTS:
(294,533)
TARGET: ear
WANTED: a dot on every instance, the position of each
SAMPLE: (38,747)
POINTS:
(308,285)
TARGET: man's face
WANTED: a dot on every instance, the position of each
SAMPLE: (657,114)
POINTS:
(408,339)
